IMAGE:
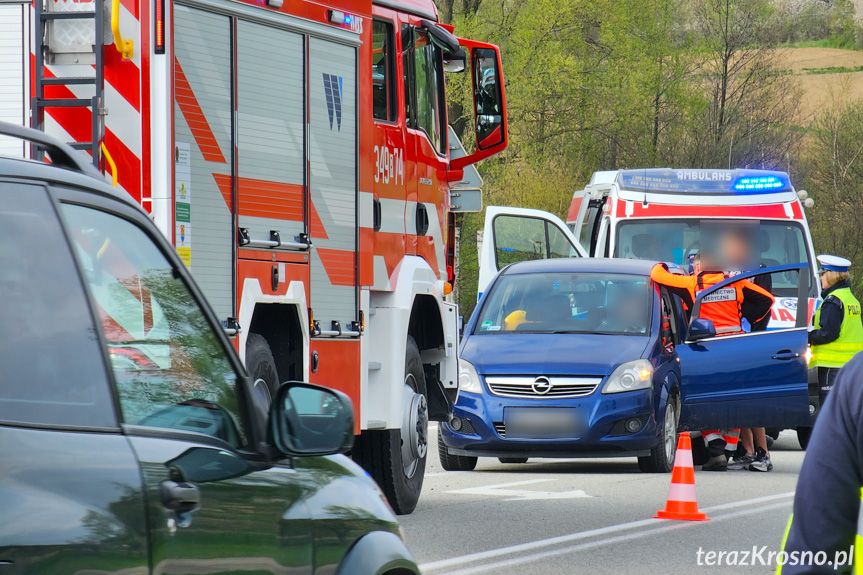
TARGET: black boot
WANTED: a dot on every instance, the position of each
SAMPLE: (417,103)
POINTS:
(718,461)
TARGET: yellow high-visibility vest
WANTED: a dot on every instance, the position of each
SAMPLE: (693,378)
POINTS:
(850,340)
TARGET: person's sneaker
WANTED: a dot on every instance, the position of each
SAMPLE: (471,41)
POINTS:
(716,463)
(762,461)
(742,462)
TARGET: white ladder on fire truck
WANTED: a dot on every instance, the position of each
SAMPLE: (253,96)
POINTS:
(72,37)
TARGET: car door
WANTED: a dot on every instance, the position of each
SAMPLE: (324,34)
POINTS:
(517,234)
(214,504)
(71,497)
(756,379)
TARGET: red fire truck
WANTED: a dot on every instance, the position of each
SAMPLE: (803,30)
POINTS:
(299,156)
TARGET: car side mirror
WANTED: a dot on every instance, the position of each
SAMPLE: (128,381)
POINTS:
(701,328)
(307,419)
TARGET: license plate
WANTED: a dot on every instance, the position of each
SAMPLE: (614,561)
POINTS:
(541,423)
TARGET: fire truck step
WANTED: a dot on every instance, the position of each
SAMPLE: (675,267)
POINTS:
(65,102)
(68,15)
(69,80)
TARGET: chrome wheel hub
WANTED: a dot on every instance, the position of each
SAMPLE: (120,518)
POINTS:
(414,432)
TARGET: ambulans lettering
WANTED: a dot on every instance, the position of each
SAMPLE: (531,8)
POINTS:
(703,176)
(333,90)
(724,294)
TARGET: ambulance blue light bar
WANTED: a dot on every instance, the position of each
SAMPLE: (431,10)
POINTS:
(759,183)
(704,182)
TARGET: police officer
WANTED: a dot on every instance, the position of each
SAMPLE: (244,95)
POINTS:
(826,518)
(838,331)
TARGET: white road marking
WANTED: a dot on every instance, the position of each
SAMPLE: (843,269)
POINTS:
(532,558)
(500,490)
(551,541)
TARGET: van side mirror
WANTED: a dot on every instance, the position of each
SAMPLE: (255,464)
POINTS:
(307,419)
(701,328)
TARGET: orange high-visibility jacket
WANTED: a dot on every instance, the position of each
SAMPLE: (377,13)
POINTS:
(724,307)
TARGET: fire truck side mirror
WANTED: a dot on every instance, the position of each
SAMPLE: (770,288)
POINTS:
(487,98)
(489,103)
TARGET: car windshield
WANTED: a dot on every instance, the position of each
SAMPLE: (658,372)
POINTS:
(780,243)
(558,302)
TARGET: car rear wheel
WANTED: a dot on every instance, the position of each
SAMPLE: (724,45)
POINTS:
(803,435)
(512,459)
(453,462)
(661,458)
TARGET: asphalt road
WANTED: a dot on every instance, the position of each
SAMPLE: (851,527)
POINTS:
(595,516)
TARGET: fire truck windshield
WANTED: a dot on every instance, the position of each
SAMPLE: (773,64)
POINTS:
(676,240)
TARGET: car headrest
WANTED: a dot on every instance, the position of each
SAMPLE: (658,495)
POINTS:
(764,240)
(548,308)
(645,246)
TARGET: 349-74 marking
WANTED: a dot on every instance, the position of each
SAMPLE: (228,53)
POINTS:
(389,165)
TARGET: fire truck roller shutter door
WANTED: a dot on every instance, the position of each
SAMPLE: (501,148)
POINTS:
(202,151)
(333,182)
(270,106)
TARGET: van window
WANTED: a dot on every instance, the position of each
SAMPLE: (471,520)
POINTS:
(170,367)
(52,370)
(780,243)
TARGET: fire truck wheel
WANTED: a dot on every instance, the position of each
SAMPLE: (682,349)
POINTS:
(396,458)
(262,367)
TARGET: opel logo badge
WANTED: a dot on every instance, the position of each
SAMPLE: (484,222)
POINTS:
(541,385)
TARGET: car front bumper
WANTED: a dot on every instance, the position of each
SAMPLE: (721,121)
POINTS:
(482,431)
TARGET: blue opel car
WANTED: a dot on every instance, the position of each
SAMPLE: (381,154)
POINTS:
(579,357)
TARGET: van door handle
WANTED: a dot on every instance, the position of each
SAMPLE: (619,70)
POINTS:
(786,354)
(180,496)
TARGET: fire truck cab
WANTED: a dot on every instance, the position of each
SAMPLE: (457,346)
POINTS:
(299,157)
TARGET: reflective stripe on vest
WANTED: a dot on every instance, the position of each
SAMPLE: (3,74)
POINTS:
(722,307)
(850,340)
(858,541)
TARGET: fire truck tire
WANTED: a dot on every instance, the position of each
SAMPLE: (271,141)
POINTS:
(262,367)
(451,462)
(396,458)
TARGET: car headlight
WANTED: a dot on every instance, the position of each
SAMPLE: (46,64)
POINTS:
(630,376)
(468,379)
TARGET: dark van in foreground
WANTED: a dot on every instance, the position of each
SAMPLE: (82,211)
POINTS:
(131,438)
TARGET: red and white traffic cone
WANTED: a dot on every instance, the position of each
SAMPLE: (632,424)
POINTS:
(681,503)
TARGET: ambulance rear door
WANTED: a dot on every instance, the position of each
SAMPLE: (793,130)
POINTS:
(513,235)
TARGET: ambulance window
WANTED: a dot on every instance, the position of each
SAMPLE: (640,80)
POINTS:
(558,244)
(428,76)
(383,88)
